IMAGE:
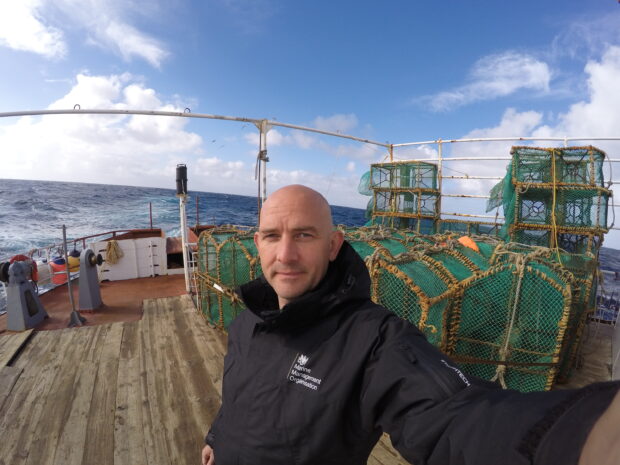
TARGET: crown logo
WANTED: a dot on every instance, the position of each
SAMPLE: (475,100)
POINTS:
(302,360)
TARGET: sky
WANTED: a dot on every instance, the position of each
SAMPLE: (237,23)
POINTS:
(393,71)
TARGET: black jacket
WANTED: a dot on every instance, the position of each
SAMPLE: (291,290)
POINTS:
(320,380)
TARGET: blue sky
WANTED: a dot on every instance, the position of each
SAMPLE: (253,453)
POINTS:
(394,71)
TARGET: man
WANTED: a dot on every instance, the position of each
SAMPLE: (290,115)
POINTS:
(315,372)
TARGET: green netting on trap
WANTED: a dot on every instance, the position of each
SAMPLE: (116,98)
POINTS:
(405,196)
(569,165)
(364,185)
(554,197)
(580,272)
(501,332)
(509,312)
(421,226)
(227,258)
(403,175)
(469,227)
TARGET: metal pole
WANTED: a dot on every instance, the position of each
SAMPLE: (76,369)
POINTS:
(439,178)
(182,202)
(64,243)
(264,129)
(151,214)
(75,319)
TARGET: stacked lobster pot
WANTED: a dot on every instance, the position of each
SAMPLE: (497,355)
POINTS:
(505,312)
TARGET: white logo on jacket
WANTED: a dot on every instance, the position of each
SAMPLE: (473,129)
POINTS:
(302,375)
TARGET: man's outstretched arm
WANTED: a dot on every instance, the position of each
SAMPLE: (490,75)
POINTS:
(603,444)
(436,415)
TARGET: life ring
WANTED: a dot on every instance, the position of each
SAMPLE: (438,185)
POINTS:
(59,268)
(34,271)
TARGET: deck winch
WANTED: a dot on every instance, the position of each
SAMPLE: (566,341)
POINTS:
(24,308)
(90,294)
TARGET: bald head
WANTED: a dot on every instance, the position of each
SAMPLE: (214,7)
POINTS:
(296,241)
(300,198)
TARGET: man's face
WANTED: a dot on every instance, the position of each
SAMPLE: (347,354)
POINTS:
(295,242)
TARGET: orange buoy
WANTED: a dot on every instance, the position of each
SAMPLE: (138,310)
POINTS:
(468,242)
(59,271)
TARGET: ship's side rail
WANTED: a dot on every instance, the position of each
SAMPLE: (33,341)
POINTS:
(50,275)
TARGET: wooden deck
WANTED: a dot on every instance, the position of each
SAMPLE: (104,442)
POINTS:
(141,392)
(595,356)
(122,301)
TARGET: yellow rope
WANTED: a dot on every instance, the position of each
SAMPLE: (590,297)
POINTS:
(504,351)
(113,252)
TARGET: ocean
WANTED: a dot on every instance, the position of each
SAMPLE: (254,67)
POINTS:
(32,214)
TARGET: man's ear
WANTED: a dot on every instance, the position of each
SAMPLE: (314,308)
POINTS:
(336,241)
(256,239)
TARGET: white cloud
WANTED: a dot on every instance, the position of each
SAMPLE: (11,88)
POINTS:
(414,152)
(129,42)
(108,25)
(494,76)
(351,166)
(22,27)
(598,116)
(588,37)
(121,149)
(338,189)
(336,123)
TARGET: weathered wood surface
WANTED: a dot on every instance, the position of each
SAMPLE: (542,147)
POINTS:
(594,361)
(9,346)
(135,393)
(123,393)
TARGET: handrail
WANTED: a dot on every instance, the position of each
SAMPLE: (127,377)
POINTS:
(83,239)
(264,125)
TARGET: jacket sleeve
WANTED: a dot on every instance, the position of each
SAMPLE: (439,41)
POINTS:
(210,437)
(437,415)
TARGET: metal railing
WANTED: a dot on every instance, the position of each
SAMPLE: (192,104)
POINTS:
(265,125)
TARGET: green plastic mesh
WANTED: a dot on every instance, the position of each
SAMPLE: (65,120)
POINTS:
(364,185)
(507,312)
(405,196)
(403,175)
(554,197)
(227,258)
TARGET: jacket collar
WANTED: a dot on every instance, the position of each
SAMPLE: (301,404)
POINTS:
(346,280)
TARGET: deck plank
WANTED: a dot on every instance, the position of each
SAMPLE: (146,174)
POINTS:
(385,453)
(8,378)
(99,445)
(72,439)
(154,389)
(10,344)
(59,397)
(130,393)
(594,357)
(201,394)
(129,442)
(184,406)
(25,406)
